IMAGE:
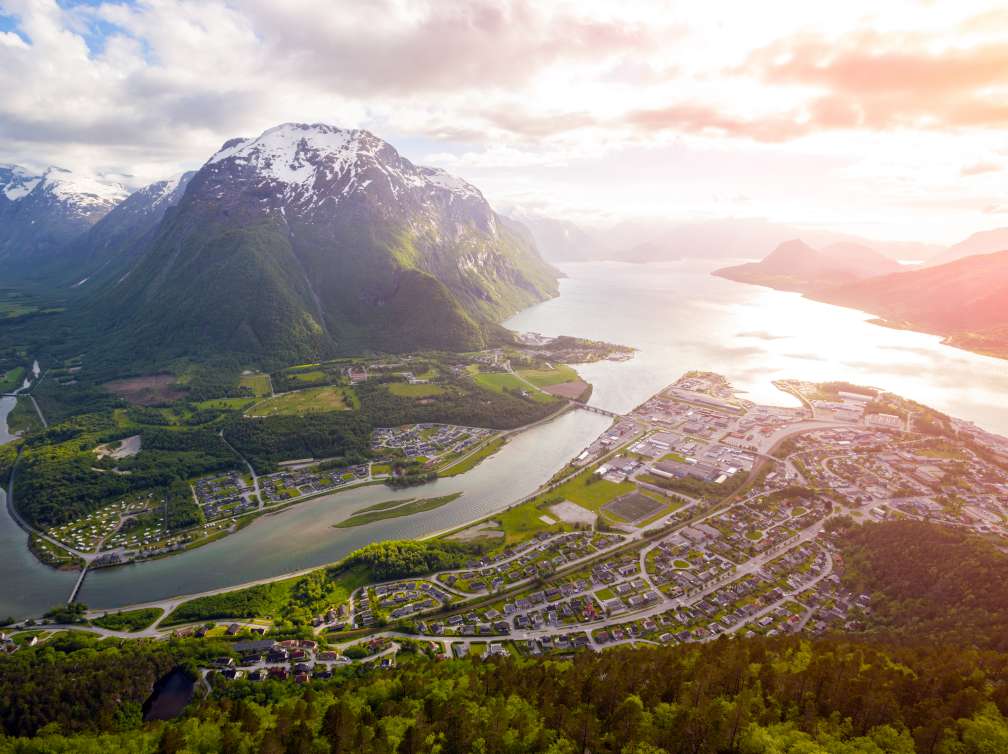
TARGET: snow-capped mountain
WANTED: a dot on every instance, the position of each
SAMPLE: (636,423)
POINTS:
(16,182)
(40,214)
(322,239)
(110,246)
(309,168)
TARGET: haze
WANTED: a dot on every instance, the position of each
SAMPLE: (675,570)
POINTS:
(882,120)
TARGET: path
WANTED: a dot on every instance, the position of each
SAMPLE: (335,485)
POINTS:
(255,479)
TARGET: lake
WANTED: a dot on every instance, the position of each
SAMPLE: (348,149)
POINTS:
(677,315)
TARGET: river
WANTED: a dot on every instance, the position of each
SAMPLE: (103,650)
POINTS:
(676,314)
(29,588)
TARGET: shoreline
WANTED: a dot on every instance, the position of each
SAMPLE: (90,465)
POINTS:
(174,600)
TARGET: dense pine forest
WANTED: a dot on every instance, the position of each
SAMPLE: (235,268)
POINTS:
(783,695)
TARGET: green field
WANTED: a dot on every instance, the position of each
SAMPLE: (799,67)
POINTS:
(500,382)
(546,377)
(12,379)
(130,620)
(422,390)
(522,521)
(313,375)
(395,509)
(318,399)
(591,491)
(259,383)
(227,404)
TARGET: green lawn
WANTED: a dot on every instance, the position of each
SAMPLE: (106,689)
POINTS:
(307,401)
(591,491)
(279,600)
(523,521)
(406,390)
(259,383)
(546,377)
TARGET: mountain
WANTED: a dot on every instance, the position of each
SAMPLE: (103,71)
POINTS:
(562,240)
(984,242)
(796,266)
(965,300)
(309,240)
(40,214)
(111,245)
(645,240)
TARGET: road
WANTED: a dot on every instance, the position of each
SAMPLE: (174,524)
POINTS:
(255,479)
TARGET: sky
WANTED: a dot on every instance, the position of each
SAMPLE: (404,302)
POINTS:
(884,119)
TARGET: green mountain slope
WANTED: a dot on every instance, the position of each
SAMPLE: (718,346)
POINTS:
(309,241)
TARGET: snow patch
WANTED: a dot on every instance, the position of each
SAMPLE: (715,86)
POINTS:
(300,155)
(18,182)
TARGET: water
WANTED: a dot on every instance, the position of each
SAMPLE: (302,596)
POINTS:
(682,318)
(170,696)
(303,536)
(7,404)
(29,587)
(677,314)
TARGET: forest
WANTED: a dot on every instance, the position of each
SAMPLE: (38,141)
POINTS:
(755,696)
(60,478)
(929,583)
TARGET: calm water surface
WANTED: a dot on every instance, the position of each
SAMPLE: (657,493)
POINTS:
(682,318)
(676,314)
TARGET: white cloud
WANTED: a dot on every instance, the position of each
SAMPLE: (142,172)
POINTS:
(667,107)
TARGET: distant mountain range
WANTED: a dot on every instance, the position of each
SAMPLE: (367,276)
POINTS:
(41,213)
(796,266)
(660,240)
(304,241)
(985,242)
(965,300)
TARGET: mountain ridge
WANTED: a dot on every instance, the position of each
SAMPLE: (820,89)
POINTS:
(965,301)
(796,266)
(323,240)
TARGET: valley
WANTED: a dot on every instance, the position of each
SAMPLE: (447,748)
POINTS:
(695,515)
(503,377)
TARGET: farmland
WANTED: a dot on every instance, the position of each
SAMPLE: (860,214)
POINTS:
(299,402)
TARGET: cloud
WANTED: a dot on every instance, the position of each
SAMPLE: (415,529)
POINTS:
(978,168)
(695,118)
(887,81)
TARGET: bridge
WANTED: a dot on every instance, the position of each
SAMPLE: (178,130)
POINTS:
(596,410)
(77,586)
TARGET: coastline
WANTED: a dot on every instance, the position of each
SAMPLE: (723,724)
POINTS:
(951,339)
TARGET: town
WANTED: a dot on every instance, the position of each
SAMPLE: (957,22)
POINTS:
(696,515)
